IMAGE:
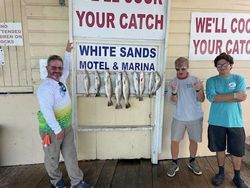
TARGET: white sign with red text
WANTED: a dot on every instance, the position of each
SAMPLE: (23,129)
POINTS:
(11,34)
(214,33)
(125,19)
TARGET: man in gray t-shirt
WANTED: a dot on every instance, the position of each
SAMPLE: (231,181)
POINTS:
(186,93)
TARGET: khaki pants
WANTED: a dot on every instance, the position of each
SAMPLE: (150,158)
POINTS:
(68,150)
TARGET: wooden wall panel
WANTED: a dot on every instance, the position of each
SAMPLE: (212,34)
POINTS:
(208,5)
(12,49)
(2,19)
(47,25)
(51,38)
(43,2)
(7,66)
(20,50)
(14,74)
(55,26)
(47,12)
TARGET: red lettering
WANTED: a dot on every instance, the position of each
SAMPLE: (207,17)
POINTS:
(110,20)
(99,19)
(218,47)
(80,17)
(208,25)
(248,47)
(220,28)
(132,23)
(90,19)
(148,25)
(207,46)
(233,28)
(196,45)
(200,24)
(122,23)
(159,21)
(141,17)
(137,21)
(240,26)
(248,26)
(228,43)
(146,1)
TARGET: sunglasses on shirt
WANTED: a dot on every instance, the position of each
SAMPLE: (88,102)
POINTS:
(62,87)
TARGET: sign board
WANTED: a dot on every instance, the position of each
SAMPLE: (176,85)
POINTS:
(1,57)
(125,19)
(214,33)
(116,57)
(43,70)
(11,34)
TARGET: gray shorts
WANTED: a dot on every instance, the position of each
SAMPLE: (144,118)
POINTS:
(194,129)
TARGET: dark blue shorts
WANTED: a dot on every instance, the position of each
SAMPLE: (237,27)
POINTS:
(220,137)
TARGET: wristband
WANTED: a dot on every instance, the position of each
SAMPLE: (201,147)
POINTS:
(198,90)
(174,93)
(234,95)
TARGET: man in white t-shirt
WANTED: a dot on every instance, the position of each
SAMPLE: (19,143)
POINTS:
(185,92)
(55,122)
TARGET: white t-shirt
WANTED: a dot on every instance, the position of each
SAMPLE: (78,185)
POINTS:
(187,107)
(55,102)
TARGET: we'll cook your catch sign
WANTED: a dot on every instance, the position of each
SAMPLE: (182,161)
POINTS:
(136,22)
(138,19)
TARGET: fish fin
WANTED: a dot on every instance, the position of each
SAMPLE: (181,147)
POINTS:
(127,105)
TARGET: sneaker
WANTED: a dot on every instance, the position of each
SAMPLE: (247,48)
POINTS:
(218,179)
(60,184)
(195,168)
(172,169)
(82,184)
(239,183)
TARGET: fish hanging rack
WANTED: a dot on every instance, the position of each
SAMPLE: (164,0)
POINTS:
(80,90)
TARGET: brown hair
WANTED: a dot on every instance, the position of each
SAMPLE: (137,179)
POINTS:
(181,61)
(54,57)
(225,56)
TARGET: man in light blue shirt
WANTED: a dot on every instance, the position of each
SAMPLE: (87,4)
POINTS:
(226,91)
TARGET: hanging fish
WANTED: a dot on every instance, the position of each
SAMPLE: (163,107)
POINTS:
(108,87)
(136,84)
(142,86)
(86,82)
(97,84)
(125,89)
(151,83)
(118,90)
(157,82)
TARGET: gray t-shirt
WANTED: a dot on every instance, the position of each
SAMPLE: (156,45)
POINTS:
(187,107)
